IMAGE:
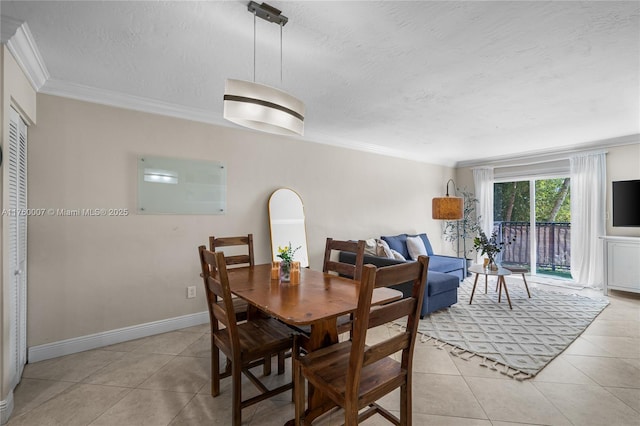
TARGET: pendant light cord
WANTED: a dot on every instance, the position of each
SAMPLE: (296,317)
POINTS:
(281,53)
(254,46)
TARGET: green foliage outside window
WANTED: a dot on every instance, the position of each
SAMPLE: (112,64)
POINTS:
(553,201)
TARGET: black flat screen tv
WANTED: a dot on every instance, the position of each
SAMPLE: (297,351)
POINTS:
(626,203)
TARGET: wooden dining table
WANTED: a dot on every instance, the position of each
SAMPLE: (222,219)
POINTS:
(316,301)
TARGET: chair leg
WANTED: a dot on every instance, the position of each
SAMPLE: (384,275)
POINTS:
(236,397)
(350,413)
(215,370)
(405,403)
(266,367)
(281,357)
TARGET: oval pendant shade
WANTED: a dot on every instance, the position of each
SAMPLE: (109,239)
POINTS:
(263,108)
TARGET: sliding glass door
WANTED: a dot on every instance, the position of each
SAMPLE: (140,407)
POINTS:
(537,213)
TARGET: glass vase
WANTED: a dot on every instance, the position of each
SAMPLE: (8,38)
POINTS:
(492,266)
(285,272)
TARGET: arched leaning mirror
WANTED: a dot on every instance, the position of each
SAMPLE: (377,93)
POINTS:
(286,220)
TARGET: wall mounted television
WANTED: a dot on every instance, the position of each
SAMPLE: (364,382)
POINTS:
(626,203)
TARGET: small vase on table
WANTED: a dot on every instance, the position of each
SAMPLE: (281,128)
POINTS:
(285,272)
(492,266)
(286,254)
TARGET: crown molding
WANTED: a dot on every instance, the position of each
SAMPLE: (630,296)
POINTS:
(25,51)
(116,99)
(543,156)
(377,149)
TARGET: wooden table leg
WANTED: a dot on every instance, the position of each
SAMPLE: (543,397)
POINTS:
(526,286)
(323,334)
(506,291)
(499,285)
(474,287)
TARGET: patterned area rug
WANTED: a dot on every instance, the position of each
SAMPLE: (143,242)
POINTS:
(518,342)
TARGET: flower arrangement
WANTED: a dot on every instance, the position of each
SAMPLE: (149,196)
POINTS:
(490,246)
(286,253)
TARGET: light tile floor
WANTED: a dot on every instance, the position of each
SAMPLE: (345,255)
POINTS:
(164,380)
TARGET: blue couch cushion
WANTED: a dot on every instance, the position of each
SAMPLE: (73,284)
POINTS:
(440,282)
(445,263)
(398,243)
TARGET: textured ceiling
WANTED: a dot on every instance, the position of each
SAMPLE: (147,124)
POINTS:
(441,82)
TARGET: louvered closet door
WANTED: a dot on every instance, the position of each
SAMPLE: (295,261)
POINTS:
(16,162)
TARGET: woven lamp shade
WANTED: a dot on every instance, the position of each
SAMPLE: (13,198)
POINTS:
(447,208)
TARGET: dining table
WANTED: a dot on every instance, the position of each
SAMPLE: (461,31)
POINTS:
(317,300)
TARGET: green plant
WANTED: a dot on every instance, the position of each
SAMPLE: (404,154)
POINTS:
(286,253)
(490,246)
(465,228)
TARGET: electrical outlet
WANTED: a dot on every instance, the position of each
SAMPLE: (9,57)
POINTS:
(191,292)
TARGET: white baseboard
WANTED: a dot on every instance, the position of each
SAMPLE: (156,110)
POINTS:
(111,337)
(6,407)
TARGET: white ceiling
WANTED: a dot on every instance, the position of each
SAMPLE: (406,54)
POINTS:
(441,82)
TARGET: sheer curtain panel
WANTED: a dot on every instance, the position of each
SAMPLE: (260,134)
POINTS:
(588,189)
(483,182)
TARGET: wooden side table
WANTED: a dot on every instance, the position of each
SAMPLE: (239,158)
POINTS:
(500,273)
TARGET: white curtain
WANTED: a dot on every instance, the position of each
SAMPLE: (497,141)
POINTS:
(588,189)
(483,181)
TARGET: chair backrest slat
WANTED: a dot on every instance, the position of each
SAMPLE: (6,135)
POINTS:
(392,311)
(228,241)
(341,268)
(220,314)
(384,349)
(238,259)
(388,276)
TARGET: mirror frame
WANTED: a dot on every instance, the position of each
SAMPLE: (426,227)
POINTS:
(304,259)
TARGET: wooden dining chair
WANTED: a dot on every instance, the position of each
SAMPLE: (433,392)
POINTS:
(246,344)
(354,375)
(353,271)
(240,307)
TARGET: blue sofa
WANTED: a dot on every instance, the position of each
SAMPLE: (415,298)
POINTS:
(443,279)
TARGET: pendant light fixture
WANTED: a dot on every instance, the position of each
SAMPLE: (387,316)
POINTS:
(261,107)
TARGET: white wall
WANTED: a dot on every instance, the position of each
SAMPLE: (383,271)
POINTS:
(623,163)
(92,274)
